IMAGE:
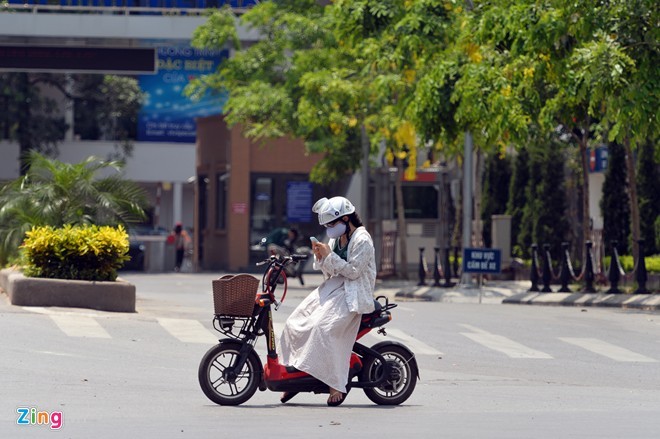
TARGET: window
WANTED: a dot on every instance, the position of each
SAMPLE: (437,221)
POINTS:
(262,205)
(419,202)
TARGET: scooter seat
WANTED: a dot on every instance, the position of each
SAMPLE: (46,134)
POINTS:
(374,318)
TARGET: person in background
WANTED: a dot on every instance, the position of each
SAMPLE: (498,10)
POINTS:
(283,237)
(181,240)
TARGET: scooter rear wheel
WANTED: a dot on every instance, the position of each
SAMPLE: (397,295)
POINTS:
(222,385)
(402,379)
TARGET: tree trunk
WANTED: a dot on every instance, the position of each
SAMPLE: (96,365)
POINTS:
(634,206)
(401,221)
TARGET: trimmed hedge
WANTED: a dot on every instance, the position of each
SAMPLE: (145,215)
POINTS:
(87,252)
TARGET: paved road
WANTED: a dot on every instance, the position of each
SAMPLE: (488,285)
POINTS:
(487,371)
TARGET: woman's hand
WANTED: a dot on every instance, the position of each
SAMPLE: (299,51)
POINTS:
(320,250)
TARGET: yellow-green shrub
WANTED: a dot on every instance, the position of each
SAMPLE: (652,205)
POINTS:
(86,252)
(652,263)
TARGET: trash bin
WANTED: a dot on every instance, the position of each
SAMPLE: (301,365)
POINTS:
(155,253)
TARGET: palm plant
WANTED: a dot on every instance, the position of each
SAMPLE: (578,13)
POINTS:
(53,193)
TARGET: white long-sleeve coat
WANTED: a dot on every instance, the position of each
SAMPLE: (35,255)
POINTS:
(318,336)
(359,272)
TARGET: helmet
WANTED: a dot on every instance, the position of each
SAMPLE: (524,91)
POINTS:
(332,209)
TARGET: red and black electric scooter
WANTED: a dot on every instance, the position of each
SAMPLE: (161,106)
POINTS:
(231,371)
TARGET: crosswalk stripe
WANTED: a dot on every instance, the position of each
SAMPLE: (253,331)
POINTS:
(608,350)
(188,331)
(415,345)
(79,326)
(502,344)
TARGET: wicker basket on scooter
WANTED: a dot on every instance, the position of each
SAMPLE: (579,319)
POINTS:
(234,295)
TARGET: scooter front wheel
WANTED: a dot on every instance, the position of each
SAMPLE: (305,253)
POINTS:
(220,382)
(402,378)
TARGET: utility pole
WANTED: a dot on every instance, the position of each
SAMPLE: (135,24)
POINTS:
(466,278)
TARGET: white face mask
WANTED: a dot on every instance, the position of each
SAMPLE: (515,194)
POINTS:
(337,230)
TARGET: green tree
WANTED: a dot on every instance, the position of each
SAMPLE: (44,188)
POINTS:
(292,82)
(106,107)
(52,193)
(29,117)
(614,204)
(495,195)
(517,197)
(336,76)
(529,212)
(550,225)
(648,187)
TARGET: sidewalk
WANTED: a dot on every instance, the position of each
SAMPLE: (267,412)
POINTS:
(510,292)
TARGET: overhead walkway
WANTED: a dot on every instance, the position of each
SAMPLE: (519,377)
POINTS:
(108,22)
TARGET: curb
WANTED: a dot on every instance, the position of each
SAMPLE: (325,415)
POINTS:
(633,301)
(516,295)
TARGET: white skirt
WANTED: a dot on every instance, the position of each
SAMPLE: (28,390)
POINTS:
(319,335)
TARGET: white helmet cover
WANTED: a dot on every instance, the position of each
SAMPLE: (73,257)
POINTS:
(332,209)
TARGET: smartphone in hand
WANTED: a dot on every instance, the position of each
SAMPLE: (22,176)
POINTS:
(314,240)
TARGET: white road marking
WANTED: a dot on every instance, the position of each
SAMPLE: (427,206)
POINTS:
(414,344)
(188,331)
(51,312)
(502,344)
(608,350)
(79,326)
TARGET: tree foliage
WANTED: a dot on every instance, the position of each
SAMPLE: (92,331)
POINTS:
(517,196)
(614,204)
(514,73)
(648,186)
(106,107)
(495,195)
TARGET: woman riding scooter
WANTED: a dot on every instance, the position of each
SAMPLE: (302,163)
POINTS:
(319,335)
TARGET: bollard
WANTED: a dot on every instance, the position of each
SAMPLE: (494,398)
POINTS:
(436,268)
(547,269)
(589,270)
(456,275)
(534,273)
(615,271)
(565,274)
(641,276)
(448,283)
(422,268)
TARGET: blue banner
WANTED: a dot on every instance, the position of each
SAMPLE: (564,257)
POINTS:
(167,115)
(299,201)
